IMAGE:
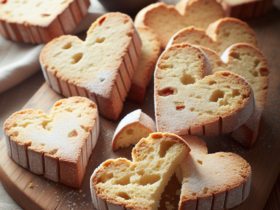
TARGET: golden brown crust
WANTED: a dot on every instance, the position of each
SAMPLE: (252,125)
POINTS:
(43,29)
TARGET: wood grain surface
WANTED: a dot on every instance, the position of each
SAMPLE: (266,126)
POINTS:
(264,157)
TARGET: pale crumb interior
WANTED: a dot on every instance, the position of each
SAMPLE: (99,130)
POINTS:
(32,11)
(141,183)
(131,135)
(93,62)
(59,133)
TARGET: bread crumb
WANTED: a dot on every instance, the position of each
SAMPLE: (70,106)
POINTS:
(169,206)
(31,185)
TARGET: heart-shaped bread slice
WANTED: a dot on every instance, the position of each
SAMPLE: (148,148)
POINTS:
(38,22)
(100,68)
(167,20)
(187,101)
(122,184)
(132,128)
(218,36)
(58,145)
(248,62)
(150,52)
(212,181)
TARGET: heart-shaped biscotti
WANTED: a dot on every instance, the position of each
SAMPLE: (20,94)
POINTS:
(248,62)
(100,68)
(58,145)
(218,36)
(187,101)
(122,184)
(38,22)
(212,181)
(167,20)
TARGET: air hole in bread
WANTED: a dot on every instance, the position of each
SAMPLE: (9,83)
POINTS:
(76,58)
(198,97)
(15,133)
(73,133)
(200,162)
(264,71)
(167,91)
(39,4)
(45,15)
(67,46)
(52,152)
(84,128)
(14,124)
(165,66)
(102,20)
(235,93)
(227,86)
(102,79)
(209,112)
(180,108)
(212,82)
(216,95)
(123,195)
(192,109)
(100,40)
(42,144)
(193,194)
(164,147)
(125,21)
(130,131)
(255,74)
(149,179)
(141,172)
(64,2)
(25,124)
(132,167)
(226,34)
(187,79)
(129,34)
(105,177)
(256,62)
(124,180)
(24,2)
(205,190)
(236,55)
(45,124)
(56,55)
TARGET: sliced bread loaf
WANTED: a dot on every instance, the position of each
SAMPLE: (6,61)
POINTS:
(122,184)
(132,128)
(218,36)
(167,20)
(58,145)
(38,22)
(100,68)
(187,101)
(149,54)
(212,181)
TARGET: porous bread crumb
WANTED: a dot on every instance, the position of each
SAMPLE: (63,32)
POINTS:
(141,182)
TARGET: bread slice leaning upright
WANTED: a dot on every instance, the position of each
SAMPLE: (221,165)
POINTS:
(122,184)
(132,128)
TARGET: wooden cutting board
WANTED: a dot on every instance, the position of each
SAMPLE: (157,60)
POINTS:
(264,157)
